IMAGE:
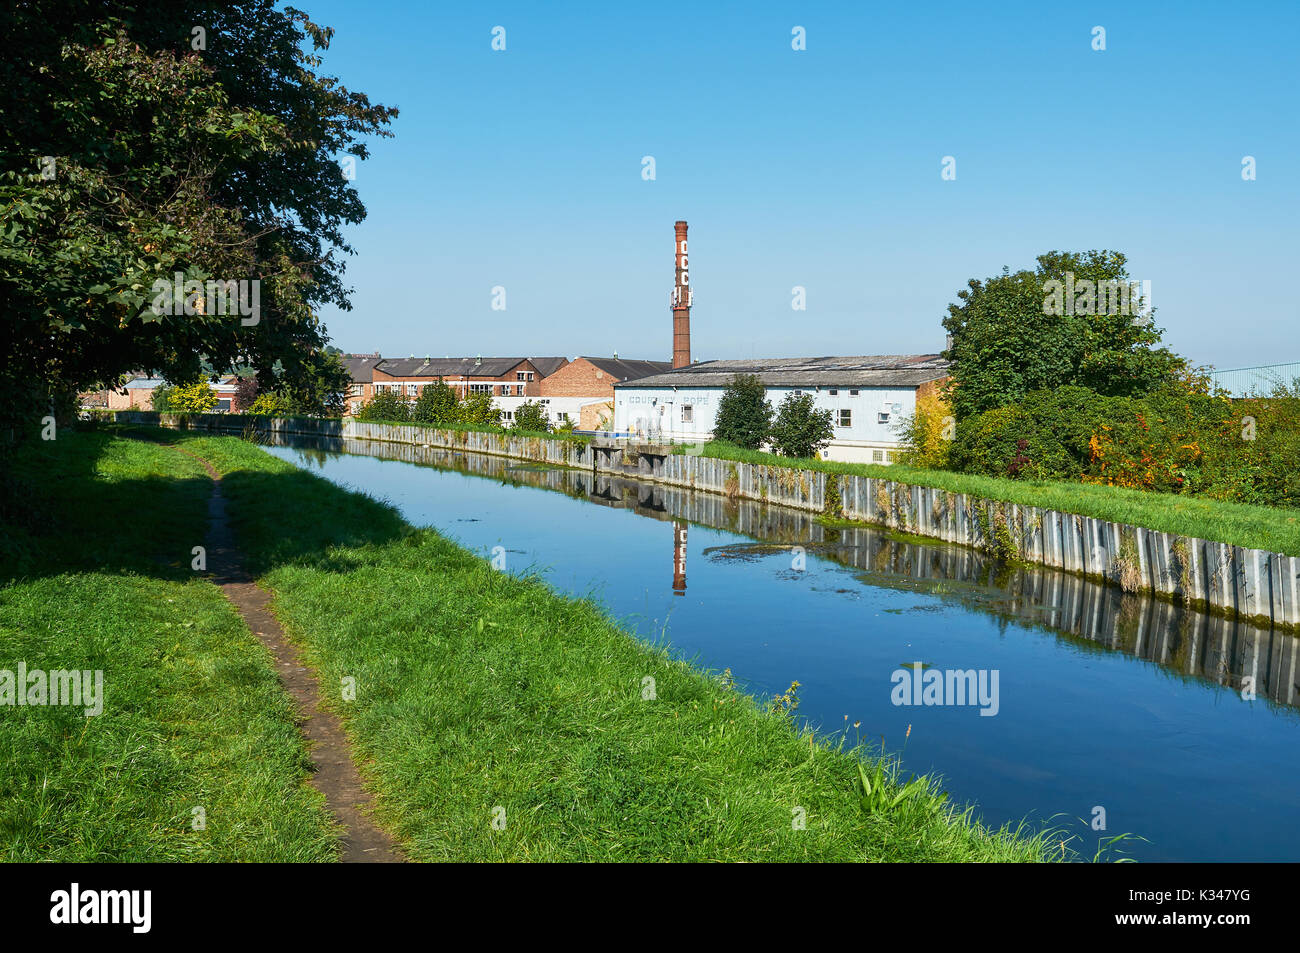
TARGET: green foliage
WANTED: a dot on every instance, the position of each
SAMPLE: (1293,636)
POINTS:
(215,165)
(1005,346)
(161,399)
(477,409)
(270,403)
(744,413)
(927,433)
(1175,439)
(800,429)
(437,404)
(195,398)
(532,416)
(388,403)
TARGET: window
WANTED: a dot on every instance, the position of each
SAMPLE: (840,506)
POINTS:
(796,391)
(410,389)
(882,417)
(833,392)
(480,388)
(507,415)
(519,375)
(688,414)
(853,393)
(356,390)
(846,418)
(877,456)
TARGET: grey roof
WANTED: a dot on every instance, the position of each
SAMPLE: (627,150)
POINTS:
(143,383)
(450,366)
(622,370)
(361,368)
(890,370)
(546,366)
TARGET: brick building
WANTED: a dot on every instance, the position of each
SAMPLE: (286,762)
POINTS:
(583,389)
(502,377)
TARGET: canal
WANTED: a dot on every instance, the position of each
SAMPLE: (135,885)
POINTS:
(1098,707)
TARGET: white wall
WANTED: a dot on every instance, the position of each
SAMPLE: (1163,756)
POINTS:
(554,406)
(657,413)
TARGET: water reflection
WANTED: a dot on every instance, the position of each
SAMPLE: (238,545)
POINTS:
(1184,642)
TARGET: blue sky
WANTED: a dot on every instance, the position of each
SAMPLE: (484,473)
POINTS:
(819,168)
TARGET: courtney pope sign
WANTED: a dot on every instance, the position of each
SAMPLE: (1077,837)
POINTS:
(38,687)
(918,685)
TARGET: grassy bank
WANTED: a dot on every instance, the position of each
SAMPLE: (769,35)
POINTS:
(481,696)
(95,575)
(1257,527)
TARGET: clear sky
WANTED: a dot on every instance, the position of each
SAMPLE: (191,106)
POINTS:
(818,168)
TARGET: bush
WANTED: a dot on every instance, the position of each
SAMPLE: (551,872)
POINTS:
(270,403)
(532,416)
(801,430)
(387,404)
(437,404)
(744,413)
(195,398)
(161,399)
(927,434)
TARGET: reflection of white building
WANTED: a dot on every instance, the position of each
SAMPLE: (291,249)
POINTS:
(868,397)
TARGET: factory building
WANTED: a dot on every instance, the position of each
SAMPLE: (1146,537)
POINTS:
(868,396)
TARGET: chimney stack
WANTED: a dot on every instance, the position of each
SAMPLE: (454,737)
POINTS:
(681,302)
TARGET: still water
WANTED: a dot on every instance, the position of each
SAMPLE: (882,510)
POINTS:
(1103,701)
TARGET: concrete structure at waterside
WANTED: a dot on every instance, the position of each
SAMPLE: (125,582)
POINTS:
(1246,583)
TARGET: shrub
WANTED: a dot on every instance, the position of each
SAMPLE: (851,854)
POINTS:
(800,429)
(477,410)
(744,413)
(195,398)
(532,416)
(437,404)
(927,434)
(270,403)
(387,404)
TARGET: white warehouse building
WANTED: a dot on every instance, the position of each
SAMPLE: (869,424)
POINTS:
(867,396)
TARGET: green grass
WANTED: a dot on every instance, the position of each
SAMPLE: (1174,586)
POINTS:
(94,574)
(1275,529)
(478,692)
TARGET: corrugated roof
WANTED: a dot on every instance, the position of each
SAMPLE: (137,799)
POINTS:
(627,370)
(143,383)
(889,370)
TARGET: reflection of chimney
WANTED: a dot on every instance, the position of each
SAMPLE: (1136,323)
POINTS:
(681,302)
(679,558)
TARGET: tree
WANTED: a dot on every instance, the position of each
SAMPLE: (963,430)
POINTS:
(532,416)
(477,410)
(270,403)
(800,429)
(246,394)
(927,433)
(160,399)
(437,404)
(1053,327)
(388,404)
(166,197)
(744,413)
(194,398)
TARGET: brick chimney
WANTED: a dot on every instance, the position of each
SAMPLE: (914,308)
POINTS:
(681,302)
